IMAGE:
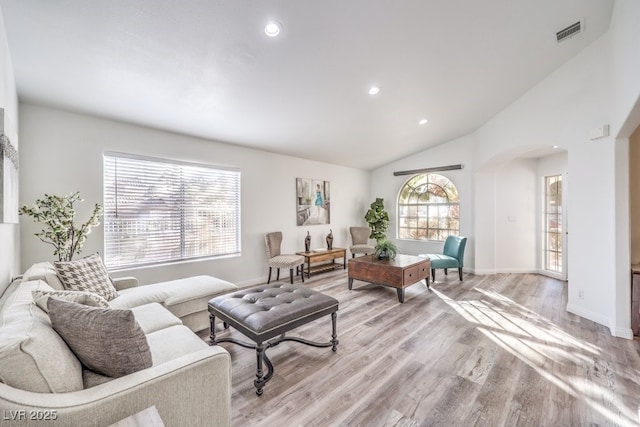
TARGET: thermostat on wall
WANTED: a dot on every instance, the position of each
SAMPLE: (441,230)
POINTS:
(599,132)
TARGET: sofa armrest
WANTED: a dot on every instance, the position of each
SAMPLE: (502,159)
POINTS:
(200,380)
(124,282)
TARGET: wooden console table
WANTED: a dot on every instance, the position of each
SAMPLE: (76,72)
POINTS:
(322,256)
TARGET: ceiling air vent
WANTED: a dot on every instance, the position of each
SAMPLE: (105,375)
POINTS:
(570,31)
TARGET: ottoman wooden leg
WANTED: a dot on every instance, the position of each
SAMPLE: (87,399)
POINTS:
(334,332)
(259,381)
(212,332)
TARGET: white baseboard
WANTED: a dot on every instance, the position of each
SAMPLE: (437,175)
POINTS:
(517,270)
(489,271)
(616,331)
(482,271)
(552,275)
(620,332)
(588,314)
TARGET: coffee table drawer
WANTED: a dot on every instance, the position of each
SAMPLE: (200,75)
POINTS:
(423,270)
(410,275)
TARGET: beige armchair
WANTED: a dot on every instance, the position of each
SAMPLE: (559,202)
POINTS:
(275,259)
(360,240)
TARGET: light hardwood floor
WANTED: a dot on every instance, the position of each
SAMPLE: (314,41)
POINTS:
(495,350)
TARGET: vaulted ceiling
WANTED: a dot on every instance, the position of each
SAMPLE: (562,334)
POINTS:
(206,68)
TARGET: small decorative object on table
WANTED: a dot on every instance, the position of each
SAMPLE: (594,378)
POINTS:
(307,243)
(330,240)
(385,249)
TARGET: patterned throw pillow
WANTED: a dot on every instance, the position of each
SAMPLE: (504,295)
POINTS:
(109,342)
(87,274)
(40,297)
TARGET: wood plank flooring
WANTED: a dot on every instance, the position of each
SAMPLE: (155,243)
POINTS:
(490,351)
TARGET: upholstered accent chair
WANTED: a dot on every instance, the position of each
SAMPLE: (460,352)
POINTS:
(277,260)
(360,240)
(452,256)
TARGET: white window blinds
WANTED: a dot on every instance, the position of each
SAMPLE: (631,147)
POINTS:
(158,211)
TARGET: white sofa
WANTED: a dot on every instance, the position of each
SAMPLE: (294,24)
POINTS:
(189,382)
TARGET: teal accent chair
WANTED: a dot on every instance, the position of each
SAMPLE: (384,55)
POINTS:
(452,256)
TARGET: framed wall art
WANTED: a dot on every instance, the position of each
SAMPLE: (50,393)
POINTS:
(8,176)
(313,204)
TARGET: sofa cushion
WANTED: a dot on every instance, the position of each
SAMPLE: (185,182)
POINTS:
(107,341)
(165,344)
(46,272)
(33,356)
(153,317)
(41,296)
(181,297)
(442,261)
(170,343)
(92,379)
(86,274)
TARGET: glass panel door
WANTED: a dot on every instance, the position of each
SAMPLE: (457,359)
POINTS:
(553,235)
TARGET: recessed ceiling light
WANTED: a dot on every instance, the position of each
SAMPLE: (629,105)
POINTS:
(273,28)
(423,121)
(555,146)
(373,90)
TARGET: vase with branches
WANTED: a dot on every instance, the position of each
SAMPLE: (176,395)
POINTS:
(57,214)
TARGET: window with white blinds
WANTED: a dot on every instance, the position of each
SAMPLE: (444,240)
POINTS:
(158,211)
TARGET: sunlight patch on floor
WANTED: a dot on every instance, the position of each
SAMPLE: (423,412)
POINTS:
(541,344)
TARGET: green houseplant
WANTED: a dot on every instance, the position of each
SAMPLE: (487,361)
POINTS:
(378,220)
(57,213)
(386,249)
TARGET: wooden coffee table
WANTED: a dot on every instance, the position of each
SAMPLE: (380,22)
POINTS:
(318,258)
(399,273)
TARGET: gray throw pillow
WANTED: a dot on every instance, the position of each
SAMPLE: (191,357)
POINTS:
(107,341)
(86,274)
(40,298)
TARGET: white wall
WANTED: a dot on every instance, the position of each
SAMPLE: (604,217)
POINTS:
(9,233)
(634,195)
(505,222)
(625,118)
(515,217)
(485,222)
(384,184)
(62,152)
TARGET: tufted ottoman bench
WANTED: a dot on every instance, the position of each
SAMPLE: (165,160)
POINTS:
(264,312)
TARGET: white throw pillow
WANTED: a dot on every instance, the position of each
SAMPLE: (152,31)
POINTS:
(40,297)
(87,274)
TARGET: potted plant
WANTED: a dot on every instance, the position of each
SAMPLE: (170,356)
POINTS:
(386,249)
(57,213)
(378,220)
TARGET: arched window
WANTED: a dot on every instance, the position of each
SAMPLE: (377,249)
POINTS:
(428,208)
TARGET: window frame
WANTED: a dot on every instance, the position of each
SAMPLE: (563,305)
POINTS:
(427,218)
(184,209)
(553,254)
